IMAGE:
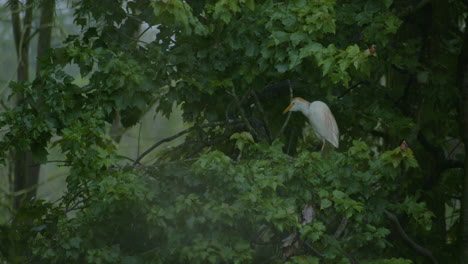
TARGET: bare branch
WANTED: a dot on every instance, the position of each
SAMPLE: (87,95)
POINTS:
(351,88)
(289,113)
(209,143)
(316,252)
(156,165)
(144,31)
(264,119)
(341,228)
(175,149)
(242,112)
(181,133)
(419,249)
(351,259)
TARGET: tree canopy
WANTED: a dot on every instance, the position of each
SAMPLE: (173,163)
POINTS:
(247,184)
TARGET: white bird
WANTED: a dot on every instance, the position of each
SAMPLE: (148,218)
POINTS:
(320,118)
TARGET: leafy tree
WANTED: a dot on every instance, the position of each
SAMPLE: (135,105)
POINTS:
(247,185)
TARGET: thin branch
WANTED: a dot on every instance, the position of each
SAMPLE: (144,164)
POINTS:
(144,31)
(2,102)
(125,157)
(176,148)
(139,139)
(156,165)
(136,18)
(181,133)
(49,161)
(130,38)
(261,233)
(77,207)
(353,261)
(208,144)
(168,139)
(351,88)
(264,119)
(242,112)
(419,249)
(454,148)
(309,245)
(341,228)
(289,113)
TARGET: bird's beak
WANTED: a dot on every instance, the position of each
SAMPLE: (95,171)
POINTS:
(288,108)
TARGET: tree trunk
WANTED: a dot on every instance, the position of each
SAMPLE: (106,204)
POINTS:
(45,31)
(463,85)
(25,174)
(26,171)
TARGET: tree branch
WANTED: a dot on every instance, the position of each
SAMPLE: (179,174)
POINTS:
(242,112)
(289,113)
(341,228)
(351,88)
(175,149)
(209,143)
(316,252)
(419,249)
(264,119)
(181,133)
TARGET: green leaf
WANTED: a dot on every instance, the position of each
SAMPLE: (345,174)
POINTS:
(297,37)
(325,203)
(250,4)
(279,37)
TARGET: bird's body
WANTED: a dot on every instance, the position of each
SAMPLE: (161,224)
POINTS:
(320,118)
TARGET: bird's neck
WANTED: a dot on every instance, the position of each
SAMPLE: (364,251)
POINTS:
(304,107)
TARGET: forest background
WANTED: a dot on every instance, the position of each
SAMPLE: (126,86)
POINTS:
(152,131)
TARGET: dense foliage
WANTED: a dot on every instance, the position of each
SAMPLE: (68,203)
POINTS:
(243,187)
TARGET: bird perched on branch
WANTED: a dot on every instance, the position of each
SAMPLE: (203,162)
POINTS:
(320,118)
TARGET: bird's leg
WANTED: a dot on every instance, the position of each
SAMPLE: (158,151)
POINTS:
(323,146)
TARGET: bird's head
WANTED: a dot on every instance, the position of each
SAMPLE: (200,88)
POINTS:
(297,104)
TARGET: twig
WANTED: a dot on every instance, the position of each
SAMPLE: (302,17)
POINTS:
(181,133)
(289,113)
(307,243)
(351,88)
(291,136)
(353,261)
(421,250)
(208,144)
(125,157)
(49,161)
(242,112)
(144,31)
(156,165)
(77,207)
(261,233)
(135,18)
(264,119)
(341,227)
(2,103)
(174,149)
(139,139)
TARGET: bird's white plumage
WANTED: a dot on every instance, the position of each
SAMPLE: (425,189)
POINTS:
(323,122)
(320,118)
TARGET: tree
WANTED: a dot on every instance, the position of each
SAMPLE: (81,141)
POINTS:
(26,167)
(247,185)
